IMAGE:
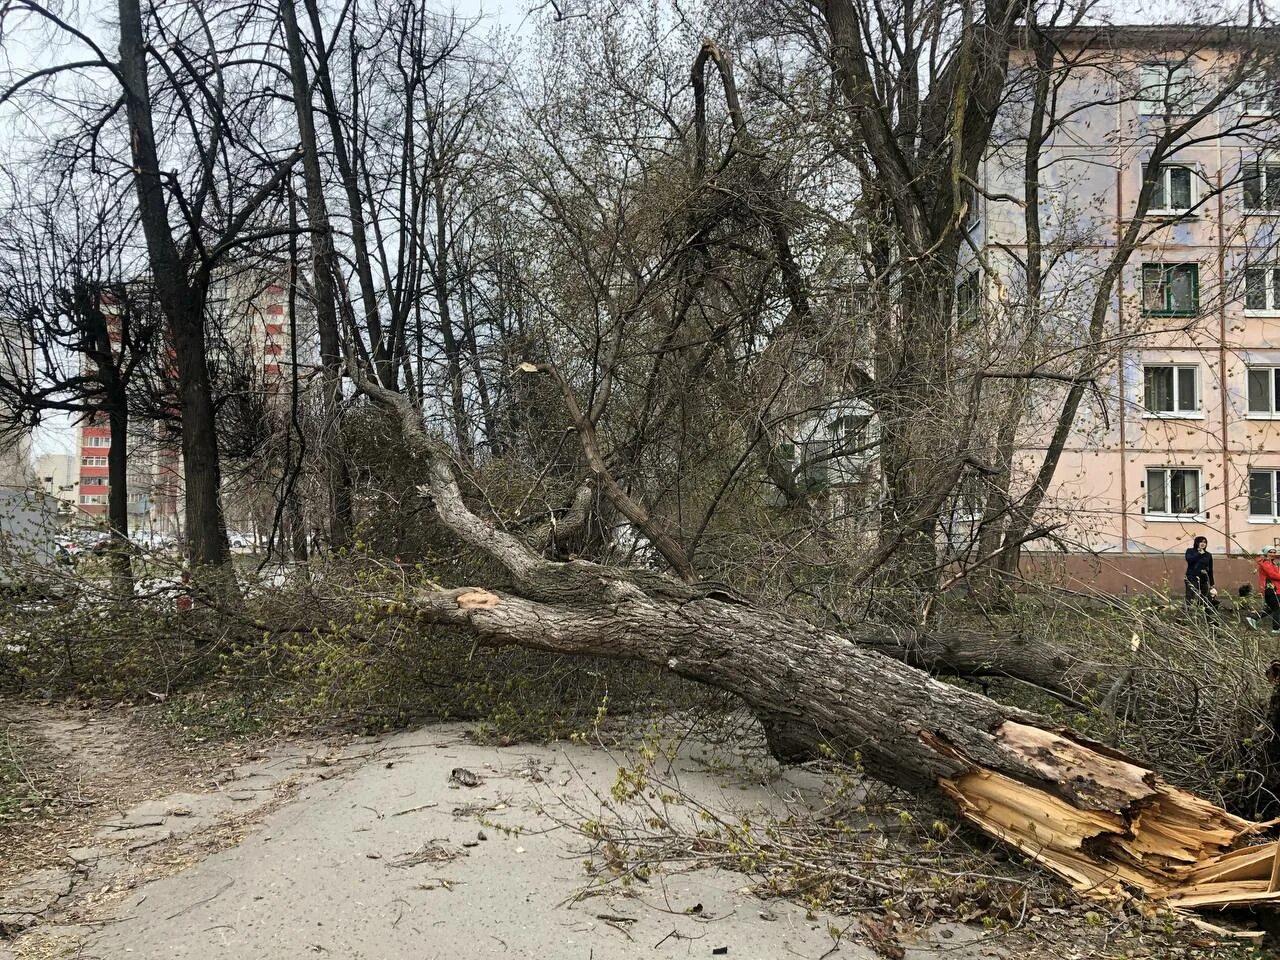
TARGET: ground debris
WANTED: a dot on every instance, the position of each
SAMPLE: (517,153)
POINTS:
(463,777)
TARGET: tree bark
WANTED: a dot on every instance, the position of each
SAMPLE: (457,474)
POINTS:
(118,497)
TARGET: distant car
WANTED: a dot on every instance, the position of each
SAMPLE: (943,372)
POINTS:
(150,540)
(240,541)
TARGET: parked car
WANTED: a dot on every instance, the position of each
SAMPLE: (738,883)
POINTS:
(241,541)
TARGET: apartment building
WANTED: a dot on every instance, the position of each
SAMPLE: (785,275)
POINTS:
(57,474)
(250,337)
(1180,435)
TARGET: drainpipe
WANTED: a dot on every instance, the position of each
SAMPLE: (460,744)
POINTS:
(1222,360)
(1124,464)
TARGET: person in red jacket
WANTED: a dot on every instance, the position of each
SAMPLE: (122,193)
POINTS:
(1269,582)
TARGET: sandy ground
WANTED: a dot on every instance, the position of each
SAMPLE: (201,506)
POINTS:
(368,849)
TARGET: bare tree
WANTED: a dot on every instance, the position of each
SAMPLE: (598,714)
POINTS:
(192,109)
(81,332)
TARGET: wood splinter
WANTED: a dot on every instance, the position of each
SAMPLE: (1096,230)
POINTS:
(1127,829)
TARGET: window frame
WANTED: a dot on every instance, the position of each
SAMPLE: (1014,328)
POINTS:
(1268,192)
(1165,186)
(1273,413)
(970,285)
(1270,289)
(1167,515)
(1196,412)
(1267,90)
(1164,105)
(1274,515)
(1168,269)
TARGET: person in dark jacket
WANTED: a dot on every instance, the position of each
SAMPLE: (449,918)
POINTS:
(1200,591)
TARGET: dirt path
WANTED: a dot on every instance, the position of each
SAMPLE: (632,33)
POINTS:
(115,802)
(379,849)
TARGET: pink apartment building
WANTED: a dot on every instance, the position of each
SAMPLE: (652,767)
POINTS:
(1182,435)
(255,318)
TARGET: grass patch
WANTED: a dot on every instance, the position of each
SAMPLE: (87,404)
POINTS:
(217,715)
(19,802)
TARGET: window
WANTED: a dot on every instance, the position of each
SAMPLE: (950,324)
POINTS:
(1169,389)
(93,461)
(1174,190)
(969,299)
(1262,494)
(1264,391)
(90,498)
(1262,288)
(1165,88)
(1170,289)
(1262,188)
(1260,95)
(97,441)
(832,449)
(1173,491)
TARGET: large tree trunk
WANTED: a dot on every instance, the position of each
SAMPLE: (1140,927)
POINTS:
(207,544)
(118,496)
(183,305)
(325,270)
(1095,817)
(1100,820)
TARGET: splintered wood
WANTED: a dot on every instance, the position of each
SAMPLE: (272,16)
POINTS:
(1111,827)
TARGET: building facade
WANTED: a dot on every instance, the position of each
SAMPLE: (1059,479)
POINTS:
(1179,435)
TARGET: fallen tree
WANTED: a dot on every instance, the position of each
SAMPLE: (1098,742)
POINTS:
(1101,820)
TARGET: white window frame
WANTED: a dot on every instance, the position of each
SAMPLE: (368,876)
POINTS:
(1270,290)
(1274,515)
(1195,413)
(92,461)
(1268,168)
(1165,186)
(1162,104)
(97,441)
(1259,96)
(1167,270)
(1167,480)
(1273,413)
(92,499)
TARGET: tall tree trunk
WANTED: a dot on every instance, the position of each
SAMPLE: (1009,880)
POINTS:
(921,436)
(324,268)
(118,496)
(448,335)
(381,354)
(183,305)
